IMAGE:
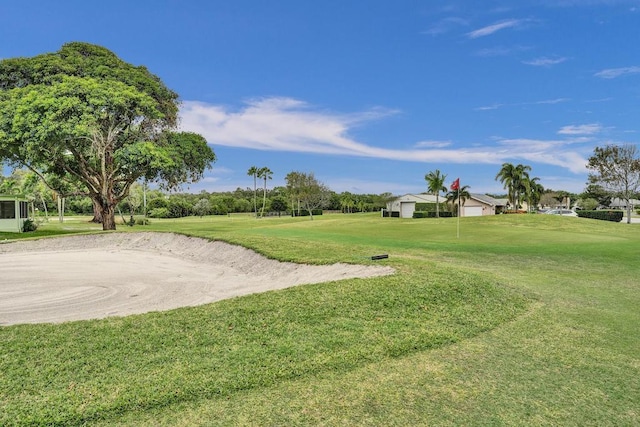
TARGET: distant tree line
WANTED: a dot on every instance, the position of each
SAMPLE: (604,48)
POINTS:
(303,192)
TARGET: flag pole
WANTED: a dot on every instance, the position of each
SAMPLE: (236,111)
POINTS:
(455,186)
(459,213)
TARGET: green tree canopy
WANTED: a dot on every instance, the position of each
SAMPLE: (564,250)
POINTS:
(91,124)
(616,168)
(310,193)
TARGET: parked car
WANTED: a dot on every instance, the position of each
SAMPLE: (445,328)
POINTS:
(563,212)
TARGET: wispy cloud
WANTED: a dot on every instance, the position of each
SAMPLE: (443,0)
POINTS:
(550,152)
(520,104)
(493,28)
(612,73)
(489,107)
(500,51)
(548,101)
(545,62)
(588,129)
(433,144)
(285,124)
(446,25)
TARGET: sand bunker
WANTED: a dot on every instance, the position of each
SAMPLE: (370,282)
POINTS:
(117,274)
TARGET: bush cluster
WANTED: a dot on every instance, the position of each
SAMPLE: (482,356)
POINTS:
(615,216)
(429,214)
(29,225)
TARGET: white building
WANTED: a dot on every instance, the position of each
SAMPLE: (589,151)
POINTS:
(13,212)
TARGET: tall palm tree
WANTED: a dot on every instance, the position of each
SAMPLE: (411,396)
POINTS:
(253,171)
(534,191)
(452,197)
(435,184)
(513,178)
(264,173)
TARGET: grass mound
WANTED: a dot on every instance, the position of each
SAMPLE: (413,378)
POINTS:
(77,372)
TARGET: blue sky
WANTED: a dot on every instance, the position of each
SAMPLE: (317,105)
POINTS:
(371,95)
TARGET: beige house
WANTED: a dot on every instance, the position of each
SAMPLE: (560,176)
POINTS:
(481,204)
(13,212)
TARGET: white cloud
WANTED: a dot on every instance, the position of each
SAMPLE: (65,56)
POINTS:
(548,101)
(445,25)
(612,73)
(433,144)
(520,104)
(489,107)
(588,129)
(490,29)
(501,51)
(550,152)
(545,62)
(285,124)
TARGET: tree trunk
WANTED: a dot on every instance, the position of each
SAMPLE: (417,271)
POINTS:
(97,212)
(108,217)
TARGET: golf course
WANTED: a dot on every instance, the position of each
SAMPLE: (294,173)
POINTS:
(494,320)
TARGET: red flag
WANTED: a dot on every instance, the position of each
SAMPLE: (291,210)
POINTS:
(456,185)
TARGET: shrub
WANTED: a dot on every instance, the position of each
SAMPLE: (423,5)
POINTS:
(615,216)
(430,214)
(29,225)
(159,213)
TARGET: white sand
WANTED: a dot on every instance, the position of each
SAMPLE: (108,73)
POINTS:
(117,274)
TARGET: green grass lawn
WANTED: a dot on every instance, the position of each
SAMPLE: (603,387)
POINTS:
(522,320)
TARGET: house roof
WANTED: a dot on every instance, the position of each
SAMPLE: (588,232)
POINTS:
(488,200)
(419,198)
(618,202)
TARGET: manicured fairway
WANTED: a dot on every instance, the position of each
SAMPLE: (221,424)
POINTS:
(523,320)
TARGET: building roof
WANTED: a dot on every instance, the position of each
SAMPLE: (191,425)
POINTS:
(488,200)
(419,198)
(617,202)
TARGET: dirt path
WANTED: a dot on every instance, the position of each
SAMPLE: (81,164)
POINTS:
(117,274)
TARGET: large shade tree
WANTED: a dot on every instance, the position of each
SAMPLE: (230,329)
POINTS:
(616,169)
(435,185)
(91,124)
(310,193)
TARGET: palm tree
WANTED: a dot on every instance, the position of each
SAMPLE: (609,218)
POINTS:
(513,179)
(435,184)
(534,191)
(253,171)
(452,197)
(264,173)
(346,202)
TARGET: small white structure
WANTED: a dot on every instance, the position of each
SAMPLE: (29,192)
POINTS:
(13,212)
(406,205)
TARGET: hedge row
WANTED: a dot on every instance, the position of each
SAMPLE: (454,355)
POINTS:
(304,212)
(429,214)
(615,216)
